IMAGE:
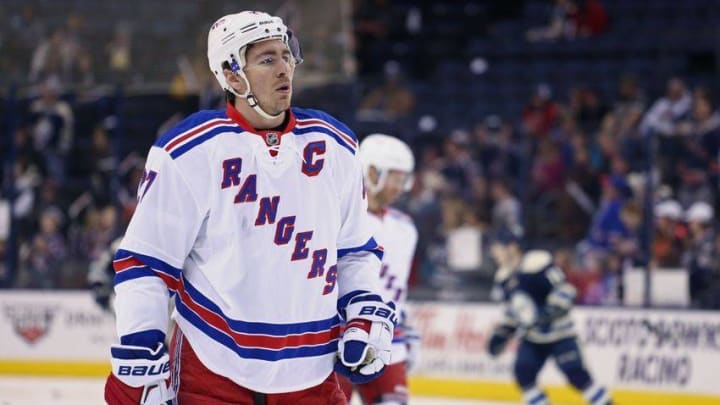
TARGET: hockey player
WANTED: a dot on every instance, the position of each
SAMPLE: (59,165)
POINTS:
(388,165)
(254,221)
(100,276)
(537,301)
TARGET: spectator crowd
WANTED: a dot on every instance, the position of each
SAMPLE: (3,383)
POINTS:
(569,171)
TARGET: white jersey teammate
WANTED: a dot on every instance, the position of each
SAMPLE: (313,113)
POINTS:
(253,220)
(388,165)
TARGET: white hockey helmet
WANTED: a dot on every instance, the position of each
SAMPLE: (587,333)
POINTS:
(670,209)
(385,153)
(228,40)
(700,211)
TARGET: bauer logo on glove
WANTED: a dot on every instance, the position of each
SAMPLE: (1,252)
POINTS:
(366,346)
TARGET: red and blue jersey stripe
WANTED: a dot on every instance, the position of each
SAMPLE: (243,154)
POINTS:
(251,340)
(196,129)
(205,125)
(313,121)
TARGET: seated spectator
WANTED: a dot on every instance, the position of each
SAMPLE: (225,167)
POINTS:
(458,168)
(423,205)
(593,19)
(52,124)
(668,113)
(568,19)
(548,169)
(28,174)
(669,118)
(94,232)
(119,53)
(464,241)
(132,169)
(630,102)
(102,164)
(495,149)
(694,186)
(84,75)
(581,193)
(701,258)
(697,163)
(582,279)
(81,71)
(603,284)
(51,196)
(587,109)
(430,182)
(607,223)
(626,245)
(507,211)
(583,173)
(541,114)
(54,56)
(44,257)
(563,23)
(622,123)
(669,235)
(390,101)
(702,141)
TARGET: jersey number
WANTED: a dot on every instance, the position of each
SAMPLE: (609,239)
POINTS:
(147,179)
(389,284)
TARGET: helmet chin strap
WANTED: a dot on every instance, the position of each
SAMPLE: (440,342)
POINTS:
(382,178)
(250,98)
(252,102)
(375,188)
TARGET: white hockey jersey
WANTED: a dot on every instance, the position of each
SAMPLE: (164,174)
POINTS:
(256,244)
(396,233)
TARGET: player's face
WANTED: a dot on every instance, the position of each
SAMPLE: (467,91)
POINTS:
(503,255)
(395,181)
(497,251)
(269,68)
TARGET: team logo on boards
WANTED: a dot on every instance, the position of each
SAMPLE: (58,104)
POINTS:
(30,322)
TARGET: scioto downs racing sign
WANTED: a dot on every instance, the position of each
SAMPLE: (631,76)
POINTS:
(633,349)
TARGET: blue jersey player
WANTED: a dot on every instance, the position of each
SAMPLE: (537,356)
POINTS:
(537,302)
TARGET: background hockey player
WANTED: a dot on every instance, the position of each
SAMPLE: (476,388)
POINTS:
(388,165)
(537,308)
(253,219)
(101,274)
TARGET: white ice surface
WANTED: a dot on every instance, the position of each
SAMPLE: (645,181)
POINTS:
(89,391)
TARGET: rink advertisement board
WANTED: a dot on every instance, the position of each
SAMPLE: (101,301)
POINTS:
(653,357)
(651,353)
(63,333)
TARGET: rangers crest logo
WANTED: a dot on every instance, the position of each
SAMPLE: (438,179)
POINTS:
(29,321)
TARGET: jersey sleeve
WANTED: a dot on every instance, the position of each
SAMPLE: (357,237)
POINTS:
(358,253)
(158,239)
(508,319)
(562,293)
(412,242)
